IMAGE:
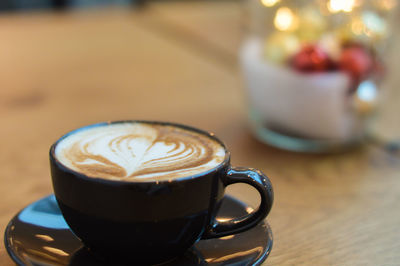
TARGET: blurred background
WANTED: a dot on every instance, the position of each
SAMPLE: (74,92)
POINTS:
(183,61)
(9,5)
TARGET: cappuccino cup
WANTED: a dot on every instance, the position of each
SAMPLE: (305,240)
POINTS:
(148,190)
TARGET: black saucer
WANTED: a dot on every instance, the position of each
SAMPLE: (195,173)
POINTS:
(38,235)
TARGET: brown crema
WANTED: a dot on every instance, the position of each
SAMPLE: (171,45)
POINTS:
(169,152)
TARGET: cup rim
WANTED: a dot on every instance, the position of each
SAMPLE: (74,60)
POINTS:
(209,134)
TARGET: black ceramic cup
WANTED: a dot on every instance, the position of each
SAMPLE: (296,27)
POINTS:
(153,221)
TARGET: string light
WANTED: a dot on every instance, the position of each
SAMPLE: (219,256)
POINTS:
(335,6)
(269,3)
(285,19)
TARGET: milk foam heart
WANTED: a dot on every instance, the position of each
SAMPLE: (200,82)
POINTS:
(139,151)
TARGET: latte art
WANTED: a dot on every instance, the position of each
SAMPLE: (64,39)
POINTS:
(139,151)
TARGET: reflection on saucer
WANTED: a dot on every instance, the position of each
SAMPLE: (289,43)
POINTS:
(39,235)
(85,257)
(45,214)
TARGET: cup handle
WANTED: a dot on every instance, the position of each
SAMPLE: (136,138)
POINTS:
(259,181)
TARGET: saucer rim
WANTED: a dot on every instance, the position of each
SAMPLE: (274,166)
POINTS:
(7,245)
(18,261)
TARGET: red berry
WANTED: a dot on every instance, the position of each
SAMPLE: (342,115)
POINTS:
(311,58)
(356,61)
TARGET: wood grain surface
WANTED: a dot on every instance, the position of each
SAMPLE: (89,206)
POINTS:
(177,62)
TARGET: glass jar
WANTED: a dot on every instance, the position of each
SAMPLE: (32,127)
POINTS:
(312,70)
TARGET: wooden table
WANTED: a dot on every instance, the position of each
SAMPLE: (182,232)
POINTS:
(177,62)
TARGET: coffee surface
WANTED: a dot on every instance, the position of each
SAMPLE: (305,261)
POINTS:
(139,152)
